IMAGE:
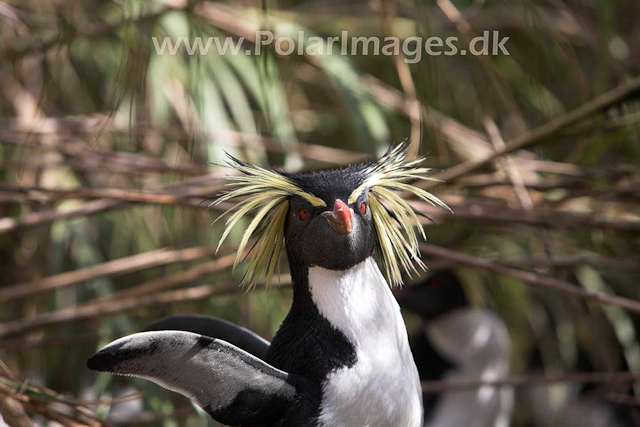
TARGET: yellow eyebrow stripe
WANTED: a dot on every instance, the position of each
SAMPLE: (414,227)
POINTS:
(356,193)
(315,201)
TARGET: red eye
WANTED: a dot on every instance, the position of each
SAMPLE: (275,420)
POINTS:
(363,208)
(303,214)
(435,283)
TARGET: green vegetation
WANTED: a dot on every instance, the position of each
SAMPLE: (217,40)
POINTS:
(110,155)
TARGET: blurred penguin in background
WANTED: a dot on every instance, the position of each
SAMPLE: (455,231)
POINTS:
(456,342)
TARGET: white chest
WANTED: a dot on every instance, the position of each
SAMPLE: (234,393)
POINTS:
(382,388)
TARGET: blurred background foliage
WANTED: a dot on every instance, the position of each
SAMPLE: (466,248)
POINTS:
(111,153)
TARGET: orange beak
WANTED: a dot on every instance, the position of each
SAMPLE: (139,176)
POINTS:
(340,218)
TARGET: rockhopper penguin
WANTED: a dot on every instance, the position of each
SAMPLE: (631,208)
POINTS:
(341,356)
(458,341)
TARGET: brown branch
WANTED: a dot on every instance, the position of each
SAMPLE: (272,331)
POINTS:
(13,412)
(111,268)
(31,342)
(476,209)
(47,217)
(101,166)
(119,307)
(82,193)
(315,152)
(41,400)
(495,179)
(172,281)
(625,91)
(632,263)
(628,187)
(510,166)
(185,192)
(80,153)
(52,413)
(533,279)
(309,151)
(622,399)
(530,381)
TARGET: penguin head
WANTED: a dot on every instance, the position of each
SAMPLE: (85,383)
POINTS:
(332,219)
(438,294)
(339,234)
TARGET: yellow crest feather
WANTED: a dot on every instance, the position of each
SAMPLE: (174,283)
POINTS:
(398,245)
(267,193)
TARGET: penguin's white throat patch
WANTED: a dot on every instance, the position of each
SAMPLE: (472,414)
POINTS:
(352,300)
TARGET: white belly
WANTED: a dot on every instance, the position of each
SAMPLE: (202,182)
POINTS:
(382,388)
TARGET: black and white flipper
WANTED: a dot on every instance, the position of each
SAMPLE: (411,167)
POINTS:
(214,327)
(234,387)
